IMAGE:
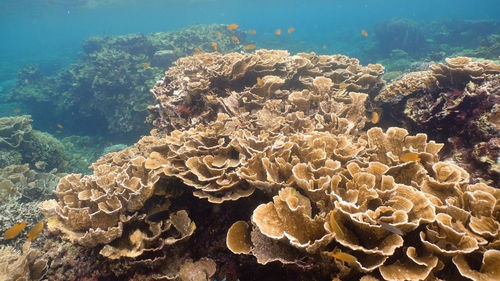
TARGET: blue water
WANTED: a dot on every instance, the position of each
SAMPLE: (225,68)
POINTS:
(49,32)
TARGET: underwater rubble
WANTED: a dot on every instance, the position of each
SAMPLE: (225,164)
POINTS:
(280,160)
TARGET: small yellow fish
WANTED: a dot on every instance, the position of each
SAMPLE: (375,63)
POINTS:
(214,45)
(335,226)
(14,230)
(59,126)
(146,65)
(208,61)
(16,111)
(345,257)
(290,30)
(35,231)
(364,33)
(252,31)
(197,51)
(259,82)
(250,47)
(235,39)
(409,156)
(375,117)
(58,131)
(278,32)
(324,46)
(232,26)
(342,85)
(219,34)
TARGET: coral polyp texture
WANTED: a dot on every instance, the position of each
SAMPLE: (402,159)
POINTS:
(276,155)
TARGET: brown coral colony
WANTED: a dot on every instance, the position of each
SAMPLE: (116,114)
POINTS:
(354,200)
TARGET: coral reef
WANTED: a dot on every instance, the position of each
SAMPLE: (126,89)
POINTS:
(21,189)
(403,34)
(276,153)
(15,267)
(22,144)
(108,87)
(270,82)
(453,102)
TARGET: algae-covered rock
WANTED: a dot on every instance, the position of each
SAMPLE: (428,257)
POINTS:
(43,147)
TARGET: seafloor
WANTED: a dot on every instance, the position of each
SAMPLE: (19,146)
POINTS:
(255,164)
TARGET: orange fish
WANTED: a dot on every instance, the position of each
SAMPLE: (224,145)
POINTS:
(278,32)
(250,46)
(214,45)
(235,39)
(208,61)
(35,230)
(232,26)
(345,257)
(364,33)
(16,111)
(375,117)
(219,34)
(59,126)
(290,30)
(252,31)
(259,82)
(409,156)
(197,51)
(146,65)
(14,230)
(334,225)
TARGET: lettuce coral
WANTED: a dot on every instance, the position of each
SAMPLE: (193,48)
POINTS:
(290,159)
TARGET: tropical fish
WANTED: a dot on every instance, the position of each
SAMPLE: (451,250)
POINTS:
(259,82)
(159,216)
(208,61)
(345,257)
(278,32)
(375,117)
(235,39)
(290,30)
(250,46)
(324,46)
(342,85)
(214,45)
(14,230)
(364,33)
(335,226)
(197,51)
(16,111)
(391,228)
(59,126)
(252,31)
(146,65)
(35,231)
(174,51)
(232,26)
(219,34)
(409,156)
(58,131)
